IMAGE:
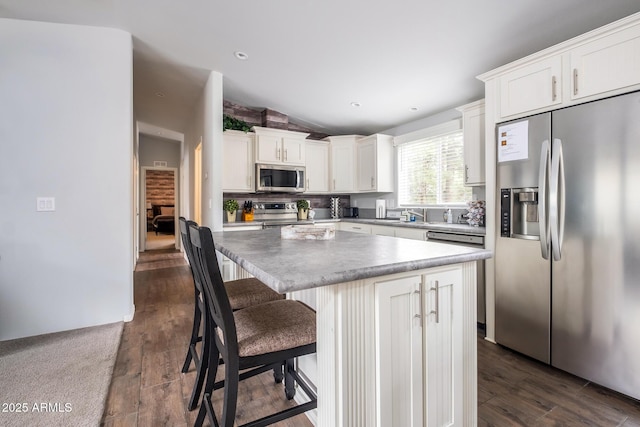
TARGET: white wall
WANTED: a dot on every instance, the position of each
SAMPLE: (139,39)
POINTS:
(66,131)
(207,124)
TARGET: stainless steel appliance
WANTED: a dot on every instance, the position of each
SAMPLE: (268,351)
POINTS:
(275,214)
(568,240)
(473,240)
(280,178)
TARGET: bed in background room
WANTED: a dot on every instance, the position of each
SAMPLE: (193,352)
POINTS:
(163,219)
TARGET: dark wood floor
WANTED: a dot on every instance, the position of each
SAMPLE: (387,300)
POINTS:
(514,390)
(148,389)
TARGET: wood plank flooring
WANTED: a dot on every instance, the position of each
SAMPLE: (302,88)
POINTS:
(148,389)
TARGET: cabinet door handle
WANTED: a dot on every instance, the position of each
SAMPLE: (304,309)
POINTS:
(466,173)
(285,155)
(436,288)
(575,81)
(334,184)
(419,314)
(277,153)
(372,186)
(554,93)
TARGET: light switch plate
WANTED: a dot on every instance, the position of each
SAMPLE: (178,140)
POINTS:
(45,204)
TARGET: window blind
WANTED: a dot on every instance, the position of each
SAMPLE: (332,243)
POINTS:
(431,171)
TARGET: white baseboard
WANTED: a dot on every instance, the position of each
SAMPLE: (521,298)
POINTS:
(129,317)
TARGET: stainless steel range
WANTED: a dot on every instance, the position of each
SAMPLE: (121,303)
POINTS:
(275,214)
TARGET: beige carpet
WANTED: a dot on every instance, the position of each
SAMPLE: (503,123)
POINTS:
(160,241)
(59,379)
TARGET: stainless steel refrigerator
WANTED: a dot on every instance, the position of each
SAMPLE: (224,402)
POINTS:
(568,240)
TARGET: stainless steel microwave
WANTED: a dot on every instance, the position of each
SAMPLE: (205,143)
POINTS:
(280,178)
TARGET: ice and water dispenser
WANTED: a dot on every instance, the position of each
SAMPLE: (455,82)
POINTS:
(519,213)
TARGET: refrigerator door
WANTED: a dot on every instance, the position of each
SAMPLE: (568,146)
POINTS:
(596,282)
(522,276)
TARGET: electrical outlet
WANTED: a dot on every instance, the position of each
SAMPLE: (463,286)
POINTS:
(45,204)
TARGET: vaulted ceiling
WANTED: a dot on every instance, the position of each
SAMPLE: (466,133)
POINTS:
(398,60)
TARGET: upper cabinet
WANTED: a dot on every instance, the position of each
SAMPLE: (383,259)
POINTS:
(343,163)
(607,63)
(317,154)
(279,146)
(531,87)
(473,134)
(237,167)
(598,64)
(374,155)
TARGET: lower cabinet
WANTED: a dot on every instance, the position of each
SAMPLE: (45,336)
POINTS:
(355,227)
(419,346)
(381,230)
(384,230)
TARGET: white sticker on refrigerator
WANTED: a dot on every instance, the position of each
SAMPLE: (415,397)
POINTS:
(513,142)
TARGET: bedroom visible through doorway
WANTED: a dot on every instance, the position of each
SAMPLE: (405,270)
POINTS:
(160,200)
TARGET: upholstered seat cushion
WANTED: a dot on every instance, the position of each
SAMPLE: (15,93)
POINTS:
(274,326)
(245,293)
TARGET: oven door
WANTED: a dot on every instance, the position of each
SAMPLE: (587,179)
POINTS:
(279,178)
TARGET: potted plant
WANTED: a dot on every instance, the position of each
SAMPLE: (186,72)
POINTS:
(303,208)
(231,206)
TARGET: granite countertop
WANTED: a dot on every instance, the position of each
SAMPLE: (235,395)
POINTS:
(439,226)
(292,265)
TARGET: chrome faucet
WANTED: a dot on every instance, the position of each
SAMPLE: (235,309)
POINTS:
(407,212)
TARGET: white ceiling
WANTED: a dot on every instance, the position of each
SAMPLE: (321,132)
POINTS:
(310,59)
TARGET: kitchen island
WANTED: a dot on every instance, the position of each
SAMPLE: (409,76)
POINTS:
(396,322)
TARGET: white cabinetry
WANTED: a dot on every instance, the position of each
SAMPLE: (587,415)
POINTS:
(384,230)
(531,87)
(375,164)
(279,146)
(601,63)
(419,319)
(473,134)
(410,233)
(381,230)
(343,163)
(237,167)
(317,167)
(607,63)
(355,227)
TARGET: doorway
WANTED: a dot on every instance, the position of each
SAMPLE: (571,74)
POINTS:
(160,197)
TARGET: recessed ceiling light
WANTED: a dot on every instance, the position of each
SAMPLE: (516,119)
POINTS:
(413,108)
(241,55)
(355,104)
(160,94)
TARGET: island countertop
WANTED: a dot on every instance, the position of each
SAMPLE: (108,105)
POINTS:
(294,265)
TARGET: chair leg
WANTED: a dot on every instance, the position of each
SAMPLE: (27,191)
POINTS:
(195,334)
(206,408)
(278,376)
(289,380)
(230,403)
(202,366)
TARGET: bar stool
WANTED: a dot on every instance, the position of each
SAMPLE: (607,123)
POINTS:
(254,340)
(242,293)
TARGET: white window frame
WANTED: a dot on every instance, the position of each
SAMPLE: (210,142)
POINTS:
(430,132)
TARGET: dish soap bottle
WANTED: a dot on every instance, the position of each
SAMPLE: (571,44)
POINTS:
(449,216)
